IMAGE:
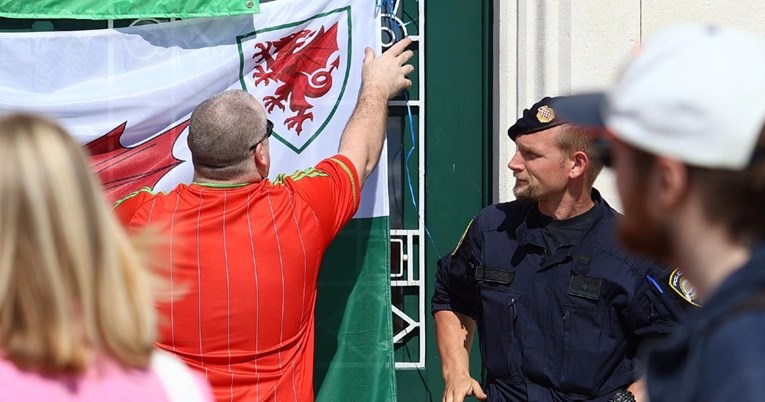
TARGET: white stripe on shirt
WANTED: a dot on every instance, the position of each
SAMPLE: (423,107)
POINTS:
(257,294)
(199,287)
(228,299)
(172,292)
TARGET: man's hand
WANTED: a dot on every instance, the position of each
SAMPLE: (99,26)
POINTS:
(381,79)
(457,387)
(638,390)
(388,71)
(454,336)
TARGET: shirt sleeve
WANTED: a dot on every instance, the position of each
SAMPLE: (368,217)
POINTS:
(455,285)
(127,207)
(332,190)
(653,311)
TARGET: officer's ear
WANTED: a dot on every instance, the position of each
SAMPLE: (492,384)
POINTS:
(579,162)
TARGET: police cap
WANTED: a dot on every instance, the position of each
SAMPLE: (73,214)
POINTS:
(539,117)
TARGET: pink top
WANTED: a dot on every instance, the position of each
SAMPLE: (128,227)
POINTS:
(103,382)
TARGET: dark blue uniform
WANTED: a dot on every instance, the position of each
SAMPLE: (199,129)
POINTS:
(560,327)
(718,355)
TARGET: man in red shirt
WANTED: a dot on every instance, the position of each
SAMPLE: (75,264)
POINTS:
(244,252)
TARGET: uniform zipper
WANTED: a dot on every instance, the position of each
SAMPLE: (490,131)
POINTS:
(511,303)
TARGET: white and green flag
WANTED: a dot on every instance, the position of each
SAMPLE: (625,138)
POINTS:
(124,9)
(127,95)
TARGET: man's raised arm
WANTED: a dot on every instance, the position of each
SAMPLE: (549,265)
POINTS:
(382,78)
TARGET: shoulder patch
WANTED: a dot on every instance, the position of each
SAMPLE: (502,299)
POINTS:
(462,238)
(683,287)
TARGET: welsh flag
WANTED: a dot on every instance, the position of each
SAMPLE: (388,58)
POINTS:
(127,94)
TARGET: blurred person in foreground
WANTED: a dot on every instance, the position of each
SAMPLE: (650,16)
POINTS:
(686,122)
(561,309)
(77,314)
(248,250)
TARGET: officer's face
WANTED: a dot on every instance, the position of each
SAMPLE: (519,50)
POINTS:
(640,229)
(539,166)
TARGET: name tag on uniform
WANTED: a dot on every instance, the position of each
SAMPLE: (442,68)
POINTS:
(494,275)
(585,286)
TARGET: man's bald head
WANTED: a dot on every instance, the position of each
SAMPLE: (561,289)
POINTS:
(221,132)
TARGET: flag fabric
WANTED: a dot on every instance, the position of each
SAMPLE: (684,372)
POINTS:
(127,94)
(121,9)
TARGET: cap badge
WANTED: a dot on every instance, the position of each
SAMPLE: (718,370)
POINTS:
(545,114)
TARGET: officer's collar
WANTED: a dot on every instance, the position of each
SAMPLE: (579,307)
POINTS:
(529,231)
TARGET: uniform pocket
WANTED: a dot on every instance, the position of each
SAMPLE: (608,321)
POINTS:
(499,331)
(585,350)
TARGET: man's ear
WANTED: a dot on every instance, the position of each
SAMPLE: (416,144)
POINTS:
(669,181)
(580,164)
(261,154)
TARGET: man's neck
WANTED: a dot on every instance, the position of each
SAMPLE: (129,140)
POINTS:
(567,205)
(706,253)
(199,179)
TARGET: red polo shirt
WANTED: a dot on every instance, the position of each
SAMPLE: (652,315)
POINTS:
(243,266)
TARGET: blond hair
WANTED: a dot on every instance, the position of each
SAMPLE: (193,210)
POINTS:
(573,139)
(72,286)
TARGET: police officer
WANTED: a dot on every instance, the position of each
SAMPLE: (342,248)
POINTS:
(561,309)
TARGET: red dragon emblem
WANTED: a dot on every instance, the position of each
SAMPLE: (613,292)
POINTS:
(124,170)
(300,63)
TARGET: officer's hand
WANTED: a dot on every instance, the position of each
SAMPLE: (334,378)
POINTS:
(458,387)
(638,389)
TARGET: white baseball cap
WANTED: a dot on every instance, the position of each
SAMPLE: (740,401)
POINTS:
(693,92)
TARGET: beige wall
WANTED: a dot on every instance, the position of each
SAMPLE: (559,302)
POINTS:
(551,47)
